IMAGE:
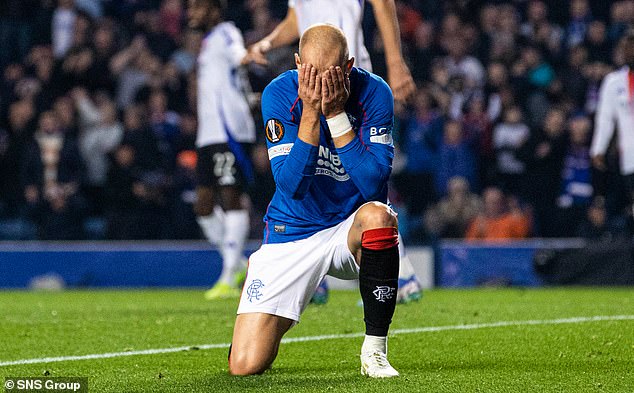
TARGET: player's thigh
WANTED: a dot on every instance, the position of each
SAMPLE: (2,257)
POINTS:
(343,263)
(255,343)
(231,197)
(206,196)
(205,201)
(282,277)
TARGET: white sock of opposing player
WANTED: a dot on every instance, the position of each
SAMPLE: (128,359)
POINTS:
(405,268)
(213,226)
(374,343)
(236,230)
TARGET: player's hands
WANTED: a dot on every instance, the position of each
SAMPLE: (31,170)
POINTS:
(335,90)
(401,81)
(257,52)
(309,90)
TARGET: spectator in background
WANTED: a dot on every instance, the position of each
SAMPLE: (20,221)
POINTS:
(621,16)
(497,221)
(599,48)
(538,28)
(63,26)
(184,58)
(598,225)
(100,132)
(451,216)
(171,15)
(576,177)
(534,77)
(594,74)
(64,110)
(580,18)
(460,63)
(456,158)
(478,132)
(165,124)
(122,203)
(5,142)
(20,130)
(159,42)
(52,175)
(140,138)
(425,50)
(494,90)
(420,142)
(135,199)
(183,217)
(104,46)
(132,67)
(543,155)
(574,75)
(17,19)
(508,138)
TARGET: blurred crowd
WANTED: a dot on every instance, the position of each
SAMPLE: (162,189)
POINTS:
(98,122)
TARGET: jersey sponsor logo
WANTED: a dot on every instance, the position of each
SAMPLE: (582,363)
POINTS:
(385,139)
(280,150)
(274,130)
(253,291)
(382,135)
(380,130)
(383,293)
(329,164)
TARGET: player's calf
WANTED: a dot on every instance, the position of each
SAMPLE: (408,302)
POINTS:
(378,283)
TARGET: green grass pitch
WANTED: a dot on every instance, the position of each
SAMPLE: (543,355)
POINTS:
(547,356)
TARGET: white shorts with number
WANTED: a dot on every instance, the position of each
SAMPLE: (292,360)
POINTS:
(282,277)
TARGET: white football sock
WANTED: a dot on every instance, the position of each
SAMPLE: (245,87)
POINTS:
(374,343)
(212,226)
(236,230)
(405,268)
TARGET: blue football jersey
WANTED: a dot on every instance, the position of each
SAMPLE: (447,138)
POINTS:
(318,187)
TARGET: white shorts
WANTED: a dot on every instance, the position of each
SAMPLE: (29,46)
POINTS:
(282,277)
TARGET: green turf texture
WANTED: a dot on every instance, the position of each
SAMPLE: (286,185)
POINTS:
(581,357)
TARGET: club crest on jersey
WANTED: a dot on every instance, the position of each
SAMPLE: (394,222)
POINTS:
(274,130)
(383,293)
(253,291)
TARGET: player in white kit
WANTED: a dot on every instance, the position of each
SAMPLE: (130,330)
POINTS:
(348,16)
(225,132)
(616,109)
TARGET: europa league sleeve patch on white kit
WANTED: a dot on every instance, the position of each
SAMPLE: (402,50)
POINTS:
(274,130)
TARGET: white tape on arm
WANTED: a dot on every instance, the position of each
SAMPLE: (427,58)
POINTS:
(339,125)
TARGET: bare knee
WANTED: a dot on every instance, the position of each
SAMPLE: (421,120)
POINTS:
(247,364)
(375,215)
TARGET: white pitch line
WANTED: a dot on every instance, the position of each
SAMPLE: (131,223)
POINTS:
(427,329)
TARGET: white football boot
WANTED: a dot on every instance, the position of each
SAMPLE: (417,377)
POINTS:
(375,365)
